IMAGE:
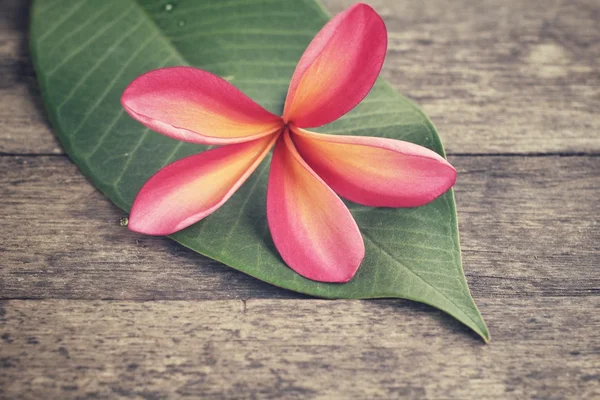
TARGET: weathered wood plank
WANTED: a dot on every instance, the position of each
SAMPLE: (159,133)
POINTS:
(495,76)
(529,227)
(297,349)
(23,125)
(507,76)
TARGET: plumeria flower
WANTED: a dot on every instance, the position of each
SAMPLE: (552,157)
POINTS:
(311,227)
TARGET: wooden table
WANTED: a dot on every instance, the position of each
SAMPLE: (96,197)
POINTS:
(91,310)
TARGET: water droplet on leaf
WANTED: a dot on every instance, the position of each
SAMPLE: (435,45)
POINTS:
(181,23)
(168,7)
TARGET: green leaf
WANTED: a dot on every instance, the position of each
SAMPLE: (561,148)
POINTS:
(87,51)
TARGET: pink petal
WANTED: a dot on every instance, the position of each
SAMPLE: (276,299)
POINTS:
(338,69)
(196,106)
(190,189)
(311,227)
(375,171)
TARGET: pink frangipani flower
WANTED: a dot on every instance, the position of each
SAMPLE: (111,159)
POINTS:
(311,227)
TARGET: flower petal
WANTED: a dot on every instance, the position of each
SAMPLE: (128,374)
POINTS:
(190,189)
(338,69)
(311,227)
(375,171)
(196,106)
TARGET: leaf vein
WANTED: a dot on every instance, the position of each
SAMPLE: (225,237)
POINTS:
(385,251)
(86,43)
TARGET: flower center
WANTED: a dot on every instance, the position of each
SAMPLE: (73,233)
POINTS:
(287,125)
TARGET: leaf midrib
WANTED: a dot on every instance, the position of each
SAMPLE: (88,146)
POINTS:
(161,33)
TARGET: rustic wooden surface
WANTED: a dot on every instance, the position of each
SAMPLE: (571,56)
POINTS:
(90,310)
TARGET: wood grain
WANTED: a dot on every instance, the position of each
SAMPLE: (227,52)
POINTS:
(528,228)
(273,349)
(23,125)
(506,76)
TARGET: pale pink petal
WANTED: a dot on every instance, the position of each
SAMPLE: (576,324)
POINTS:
(311,227)
(338,69)
(190,189)
(375,171)
(196,106)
